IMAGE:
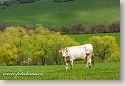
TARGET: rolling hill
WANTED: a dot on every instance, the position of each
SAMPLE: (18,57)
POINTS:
(47,12)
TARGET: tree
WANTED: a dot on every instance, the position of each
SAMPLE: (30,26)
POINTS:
(8,54)
(13,40)
(45,45)
(105,47)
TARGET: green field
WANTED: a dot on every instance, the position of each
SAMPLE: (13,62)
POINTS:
(101,71)
(81,38)
(3,0)
(47,12)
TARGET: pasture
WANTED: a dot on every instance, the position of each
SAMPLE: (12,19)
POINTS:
(101,71)
(81,38)
(47,12)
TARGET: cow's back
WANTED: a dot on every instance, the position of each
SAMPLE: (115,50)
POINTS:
(76,52)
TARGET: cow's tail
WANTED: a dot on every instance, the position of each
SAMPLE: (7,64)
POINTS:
(92,59)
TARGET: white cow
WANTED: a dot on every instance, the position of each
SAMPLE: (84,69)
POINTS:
(75,53)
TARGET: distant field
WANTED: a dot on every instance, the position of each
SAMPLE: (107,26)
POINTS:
(47,12)
(101,71)
(3,0)
(81,38)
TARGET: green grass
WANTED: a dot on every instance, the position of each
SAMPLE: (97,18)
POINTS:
(3,0)
(61,14)
(101,71)
(81,38)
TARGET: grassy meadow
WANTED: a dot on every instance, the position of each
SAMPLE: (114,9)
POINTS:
(81,38)
(47,12)
(101,71)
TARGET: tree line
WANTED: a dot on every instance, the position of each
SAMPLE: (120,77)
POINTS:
(62,0)
(78,28)
(19,46)
(9,2)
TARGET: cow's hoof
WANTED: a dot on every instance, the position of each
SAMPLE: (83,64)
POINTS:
(66,70)
(89,66)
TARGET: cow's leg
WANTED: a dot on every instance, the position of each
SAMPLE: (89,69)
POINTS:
(66,66)
(88,64)
(71,64)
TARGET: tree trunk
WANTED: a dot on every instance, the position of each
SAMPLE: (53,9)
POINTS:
(102,58)
(43,61)
(6,62)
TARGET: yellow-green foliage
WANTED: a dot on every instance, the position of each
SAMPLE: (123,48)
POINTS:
(45,45)
(105,47)
(12,41)
(17,44)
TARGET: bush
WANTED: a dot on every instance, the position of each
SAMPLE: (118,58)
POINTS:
(99,28)
(78,28)
(64,30)
(114,27)
(105,27)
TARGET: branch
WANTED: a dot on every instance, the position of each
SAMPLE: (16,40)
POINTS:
(96,48)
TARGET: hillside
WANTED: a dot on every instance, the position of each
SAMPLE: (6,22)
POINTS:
(47,12)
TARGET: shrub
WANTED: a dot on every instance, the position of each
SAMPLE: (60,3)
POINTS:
(78,28)
(99,28)
(64,30)
(114,27)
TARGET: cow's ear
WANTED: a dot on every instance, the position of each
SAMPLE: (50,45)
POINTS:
(59,51)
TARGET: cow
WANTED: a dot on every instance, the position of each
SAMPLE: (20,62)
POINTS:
(76,53)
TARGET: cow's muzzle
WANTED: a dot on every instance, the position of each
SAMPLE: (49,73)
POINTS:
(63,56)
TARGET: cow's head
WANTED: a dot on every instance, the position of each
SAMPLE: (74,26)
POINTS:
(64,52)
